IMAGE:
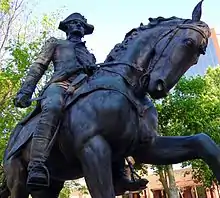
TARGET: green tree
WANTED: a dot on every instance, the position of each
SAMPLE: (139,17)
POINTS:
(4,6)
(69,186)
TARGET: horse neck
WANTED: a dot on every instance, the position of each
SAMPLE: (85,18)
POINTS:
(137,52)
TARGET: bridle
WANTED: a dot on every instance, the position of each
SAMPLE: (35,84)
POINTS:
(145,78)
(145,73)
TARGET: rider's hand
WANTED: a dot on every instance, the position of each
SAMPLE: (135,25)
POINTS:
(92,67)
(89,69)
(22,100)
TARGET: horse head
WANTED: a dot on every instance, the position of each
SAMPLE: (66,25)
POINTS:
(165,49)
(176,50)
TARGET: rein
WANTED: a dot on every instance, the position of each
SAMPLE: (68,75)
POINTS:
(145,73)
(115,63)
(146,77)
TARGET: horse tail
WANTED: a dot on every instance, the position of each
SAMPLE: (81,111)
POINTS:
(4,191)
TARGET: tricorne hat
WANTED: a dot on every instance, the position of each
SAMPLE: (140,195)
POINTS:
(76,16)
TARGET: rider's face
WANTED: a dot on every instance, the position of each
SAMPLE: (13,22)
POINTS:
(76,27)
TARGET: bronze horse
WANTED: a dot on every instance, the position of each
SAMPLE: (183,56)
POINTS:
(109,117)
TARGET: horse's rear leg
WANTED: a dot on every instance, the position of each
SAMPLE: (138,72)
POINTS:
(4,190)
(16,176)
(96,162)
(171,150)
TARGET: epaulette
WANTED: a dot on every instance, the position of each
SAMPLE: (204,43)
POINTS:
(51,40)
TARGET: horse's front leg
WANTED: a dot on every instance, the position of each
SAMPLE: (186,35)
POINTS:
(95,157)
(171,150)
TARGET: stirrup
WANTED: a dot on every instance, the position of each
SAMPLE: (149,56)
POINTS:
(33,181)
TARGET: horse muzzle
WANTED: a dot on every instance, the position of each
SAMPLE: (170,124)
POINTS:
(157,89)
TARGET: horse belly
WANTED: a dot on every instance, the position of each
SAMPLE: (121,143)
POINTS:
(63,166)
(105,113)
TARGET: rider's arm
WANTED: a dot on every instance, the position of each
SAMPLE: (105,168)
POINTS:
(92,67)
(93,58)
(39,67)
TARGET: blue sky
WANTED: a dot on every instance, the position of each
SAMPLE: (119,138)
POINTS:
(113,18)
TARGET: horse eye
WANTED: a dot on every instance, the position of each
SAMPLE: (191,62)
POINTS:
(189,42)
(202,50)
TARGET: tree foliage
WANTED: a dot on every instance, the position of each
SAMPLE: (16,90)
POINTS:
(4,6)
(71,186)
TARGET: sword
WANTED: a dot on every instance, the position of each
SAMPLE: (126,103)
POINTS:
(37,99)
(28,102)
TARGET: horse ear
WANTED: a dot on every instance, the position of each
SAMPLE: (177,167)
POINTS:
(197,12)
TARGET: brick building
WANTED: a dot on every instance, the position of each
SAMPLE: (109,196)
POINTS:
(188,187)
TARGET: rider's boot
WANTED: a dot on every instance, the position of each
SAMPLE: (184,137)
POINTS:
(44,136)
(122,183)
(37,171)
(38,174)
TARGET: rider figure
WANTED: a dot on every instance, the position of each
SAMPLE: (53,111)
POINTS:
(70,57)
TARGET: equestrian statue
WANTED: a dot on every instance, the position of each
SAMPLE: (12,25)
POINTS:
(90,117)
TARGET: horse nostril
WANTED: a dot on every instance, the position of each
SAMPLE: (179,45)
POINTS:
(160,85)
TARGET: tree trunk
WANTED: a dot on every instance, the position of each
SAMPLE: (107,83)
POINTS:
(173,190)
(163,180)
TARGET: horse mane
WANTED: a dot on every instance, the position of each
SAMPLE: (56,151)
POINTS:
(119,48)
